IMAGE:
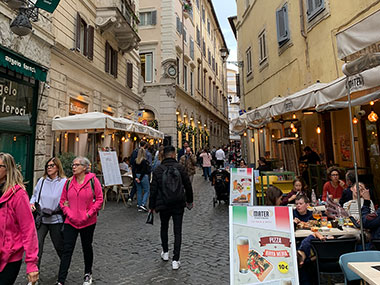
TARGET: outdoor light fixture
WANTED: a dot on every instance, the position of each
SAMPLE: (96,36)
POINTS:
(177,113)
(135,138)
(373,117)
(191,118)
(14,138)
(21,25)
(245,134)
(291,125)
(113,136)
(318,129)
(294,116)
(185,116)
(129,135)
(261,131)
(273,136)
(252,139)
(355,120)
(77,139)
(199,122)
(65,135)
(294,130)
(123,139)
(224,53)
(103,136)
(372,103)
(57,139)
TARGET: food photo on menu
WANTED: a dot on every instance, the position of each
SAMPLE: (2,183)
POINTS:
(241,185)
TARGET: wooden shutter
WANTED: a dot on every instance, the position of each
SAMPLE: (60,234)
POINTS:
(85,41)
(115,62)
(90,39)
(130,75)
(154,18)
(77,35)
(107,58)
(282,25)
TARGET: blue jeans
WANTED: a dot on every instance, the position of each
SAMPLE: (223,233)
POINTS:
(142,186)
(207,172)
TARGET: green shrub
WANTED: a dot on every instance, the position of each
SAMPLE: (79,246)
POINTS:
(67,159)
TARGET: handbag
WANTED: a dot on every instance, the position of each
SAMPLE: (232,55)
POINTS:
(149,219)
(37,214)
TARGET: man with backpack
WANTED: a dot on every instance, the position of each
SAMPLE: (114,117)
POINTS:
(170,193)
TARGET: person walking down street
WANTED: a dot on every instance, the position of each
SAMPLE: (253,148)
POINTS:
(182,150)
(206,163)
(81,200)
(47,195)
(17,231)
(171,192)
(141,173)
(189,161)
(220,157)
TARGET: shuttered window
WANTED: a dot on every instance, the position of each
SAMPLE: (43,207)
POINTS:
(84,38)
(130,75)
(283,33)
(198,37)
(179,25)
(262,47)
(148,18)
(191,48)
(314,7)
(111,60)
(249,61)
(146,60)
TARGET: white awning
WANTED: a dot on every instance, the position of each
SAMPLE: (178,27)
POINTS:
(239,124)
(96,120)
(359,36)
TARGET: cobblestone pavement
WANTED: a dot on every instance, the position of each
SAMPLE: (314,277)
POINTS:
(127,251)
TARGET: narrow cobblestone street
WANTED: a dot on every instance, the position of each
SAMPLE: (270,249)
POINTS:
(127,251)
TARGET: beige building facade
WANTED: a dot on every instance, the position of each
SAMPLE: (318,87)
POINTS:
(184,74)
(288,46)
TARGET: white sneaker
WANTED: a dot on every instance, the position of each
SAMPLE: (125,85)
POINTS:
(87,279)
(176,265)
(165,256)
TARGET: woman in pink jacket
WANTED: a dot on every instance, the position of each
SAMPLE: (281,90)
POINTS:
(81,200)
(17,230)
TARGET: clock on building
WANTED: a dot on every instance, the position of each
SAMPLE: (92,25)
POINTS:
(172,71)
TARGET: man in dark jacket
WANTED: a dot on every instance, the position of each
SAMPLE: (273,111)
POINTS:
(157,203)
(370,220)
(182,151)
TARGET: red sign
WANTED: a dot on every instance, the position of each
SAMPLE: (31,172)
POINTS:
(276,253)
(275,240)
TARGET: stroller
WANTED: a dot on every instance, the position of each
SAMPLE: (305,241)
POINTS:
(220,179)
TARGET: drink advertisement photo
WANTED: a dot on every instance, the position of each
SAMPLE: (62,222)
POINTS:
(242,186)
(262,250)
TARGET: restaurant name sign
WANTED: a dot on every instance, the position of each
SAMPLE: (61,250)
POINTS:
(10,101)
(77,107)
(17,63)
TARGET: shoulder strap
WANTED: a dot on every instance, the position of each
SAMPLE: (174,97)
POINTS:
(68,184)
(93,186)
(39,194)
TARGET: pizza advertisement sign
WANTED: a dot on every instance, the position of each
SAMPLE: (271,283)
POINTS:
(242,186)
(262,247)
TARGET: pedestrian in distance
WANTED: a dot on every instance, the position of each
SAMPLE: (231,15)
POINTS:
(182,150)
(81,200)
(17,231)
(189,161)
(206,163)
(171,192)
(47,195)
(220,157)
(141,173)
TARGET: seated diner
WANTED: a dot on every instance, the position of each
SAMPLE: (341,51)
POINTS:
(333,188)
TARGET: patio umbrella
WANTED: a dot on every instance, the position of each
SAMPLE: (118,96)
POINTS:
(349,69)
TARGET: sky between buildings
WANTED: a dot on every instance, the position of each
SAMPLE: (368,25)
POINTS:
(225,9)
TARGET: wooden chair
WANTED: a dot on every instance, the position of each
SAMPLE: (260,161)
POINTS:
(125,188)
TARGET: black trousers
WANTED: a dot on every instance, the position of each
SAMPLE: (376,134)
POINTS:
(219,164)
(70,235)
(56,237)
(177,215)
(9,274)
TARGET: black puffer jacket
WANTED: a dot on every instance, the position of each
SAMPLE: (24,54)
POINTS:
(155,200)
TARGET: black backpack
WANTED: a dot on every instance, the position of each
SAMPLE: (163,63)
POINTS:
(172,187)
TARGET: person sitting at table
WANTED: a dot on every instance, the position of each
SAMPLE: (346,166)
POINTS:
(298,189)
(301,213)
(242,164)
(351,207)
(273,196)
(347,193)
(335,186)
(370,220)
(123,165)
(263,165)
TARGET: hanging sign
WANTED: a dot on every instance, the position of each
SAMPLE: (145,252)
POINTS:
(262,247)
(47,5)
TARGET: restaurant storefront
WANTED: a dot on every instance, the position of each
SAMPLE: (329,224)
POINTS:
(19,87)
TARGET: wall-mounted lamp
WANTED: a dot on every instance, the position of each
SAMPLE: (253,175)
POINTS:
(291,125)
(373,117)
(355,120)
(65,135)
(252,139)
(294,116)
(245,134)
(77,139)
(318,129)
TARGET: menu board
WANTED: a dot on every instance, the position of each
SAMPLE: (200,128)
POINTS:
(241,186)
(110,168)
(262,247)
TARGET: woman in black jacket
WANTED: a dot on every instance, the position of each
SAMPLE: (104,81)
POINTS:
(141,173)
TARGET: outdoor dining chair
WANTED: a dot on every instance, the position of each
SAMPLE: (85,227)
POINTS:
(376,243)
(360,256)
(125,188)
(328,253)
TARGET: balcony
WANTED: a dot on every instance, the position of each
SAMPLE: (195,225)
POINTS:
(118,18)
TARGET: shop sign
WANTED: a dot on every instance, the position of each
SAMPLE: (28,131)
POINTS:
(108,113)
(355,82)
(17,63)
(47,5)
(16,99)
(288,105)
(77,107)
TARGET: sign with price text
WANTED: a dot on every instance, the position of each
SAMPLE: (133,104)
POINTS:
(262,246)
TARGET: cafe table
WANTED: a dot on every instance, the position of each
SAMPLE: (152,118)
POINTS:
(300,233)
(366,272)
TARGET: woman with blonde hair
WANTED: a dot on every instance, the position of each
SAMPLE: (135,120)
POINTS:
(47,194)
(81,200)
(141,173)
(17,230)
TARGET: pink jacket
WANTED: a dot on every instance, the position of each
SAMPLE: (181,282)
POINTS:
(81,202)
(206,159)
(17,230)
